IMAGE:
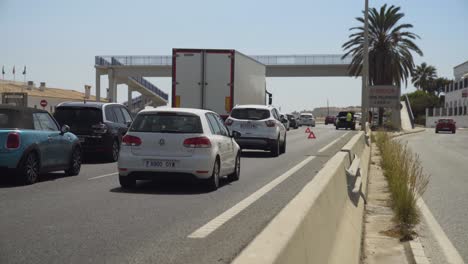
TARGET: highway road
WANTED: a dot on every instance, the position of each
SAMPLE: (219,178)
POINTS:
(90,219)
(445,158)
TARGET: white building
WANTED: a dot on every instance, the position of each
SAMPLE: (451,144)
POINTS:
(456,100)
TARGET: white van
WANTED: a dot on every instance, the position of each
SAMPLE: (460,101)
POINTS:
(307,119)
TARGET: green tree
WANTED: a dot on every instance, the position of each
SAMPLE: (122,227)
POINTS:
(437,86)
(419,101)
(423,77)
(390,48)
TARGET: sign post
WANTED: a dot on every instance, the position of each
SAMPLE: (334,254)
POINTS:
(387,96)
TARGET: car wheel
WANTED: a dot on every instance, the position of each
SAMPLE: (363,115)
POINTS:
(114,155)
(235,175)
(437,131)
(213,181)
(127,182)
(283,146)
(75,163)
(453,131)
(275,148)
(30,168)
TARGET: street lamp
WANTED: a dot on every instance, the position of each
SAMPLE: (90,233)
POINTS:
(365,69)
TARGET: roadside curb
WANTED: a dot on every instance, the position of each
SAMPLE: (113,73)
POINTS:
(409,132)
(416,252)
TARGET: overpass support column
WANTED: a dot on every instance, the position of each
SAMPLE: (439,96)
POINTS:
(112,94)
(98,87)
(129,99)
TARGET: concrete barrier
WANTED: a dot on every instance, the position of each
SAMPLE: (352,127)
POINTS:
(322,224)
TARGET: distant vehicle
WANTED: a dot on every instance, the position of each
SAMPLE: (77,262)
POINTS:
(99,126)
(446,125)
(292,121)
(330,120)
(216,80)
(32,143)
(307,119)
(177,142)
(358,117)
(260,128)
(284,119)
(341,120)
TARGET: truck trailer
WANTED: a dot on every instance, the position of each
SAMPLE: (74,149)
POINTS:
(216,80)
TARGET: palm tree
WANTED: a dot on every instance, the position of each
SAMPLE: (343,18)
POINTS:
(423,76)
(390,48)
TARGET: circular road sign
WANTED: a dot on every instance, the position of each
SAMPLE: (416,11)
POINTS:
(43,103)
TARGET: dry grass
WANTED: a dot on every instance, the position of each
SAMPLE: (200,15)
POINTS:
(406,180)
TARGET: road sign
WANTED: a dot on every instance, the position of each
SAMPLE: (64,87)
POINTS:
(307,130)
(311,135)
(43,103)
(386,96)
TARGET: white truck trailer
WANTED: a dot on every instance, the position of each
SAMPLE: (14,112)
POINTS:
(216,80)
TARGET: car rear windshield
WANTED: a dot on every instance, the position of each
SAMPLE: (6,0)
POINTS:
(250,113)
(446,121)
(78,117)
(14,119)
(306,116)
(167,123)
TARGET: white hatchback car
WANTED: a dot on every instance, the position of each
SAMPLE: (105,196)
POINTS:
(259,126)
(307,119)
(175,142)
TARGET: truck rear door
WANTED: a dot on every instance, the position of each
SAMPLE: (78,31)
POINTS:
(187,78)
(218,78)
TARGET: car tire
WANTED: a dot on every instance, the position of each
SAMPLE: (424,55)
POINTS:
(437,131)
(235,175)
(114,154)
(283,146)
(30,168)
(212,183)
(453,131)
(275,148)
(75,163)
(127,182)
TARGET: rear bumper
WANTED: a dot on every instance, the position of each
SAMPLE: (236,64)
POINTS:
(255,143)
(9,160)
(96,144)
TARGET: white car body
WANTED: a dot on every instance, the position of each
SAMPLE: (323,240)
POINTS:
(264,131)
(307,119)
(167,152)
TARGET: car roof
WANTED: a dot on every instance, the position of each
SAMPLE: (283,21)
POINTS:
(175,109)
(98,105)
(22,109)
(267,107)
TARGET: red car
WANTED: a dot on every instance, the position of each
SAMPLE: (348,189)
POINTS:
(445,125)
(330,120)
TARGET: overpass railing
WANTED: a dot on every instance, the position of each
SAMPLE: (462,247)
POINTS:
(142,81)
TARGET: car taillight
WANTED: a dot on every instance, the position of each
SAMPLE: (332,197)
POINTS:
(228,122)
(198,142)
(131,140)
(99,128)
(13,140)
(270,123)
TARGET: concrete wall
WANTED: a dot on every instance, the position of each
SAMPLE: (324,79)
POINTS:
(322,224)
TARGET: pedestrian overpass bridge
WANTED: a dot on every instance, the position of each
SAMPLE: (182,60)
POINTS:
(131,70)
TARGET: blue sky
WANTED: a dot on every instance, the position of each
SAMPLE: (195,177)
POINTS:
(58,40)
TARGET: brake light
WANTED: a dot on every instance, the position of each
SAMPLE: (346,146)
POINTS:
(99,128)
(131,140)
(198,142)
(13,140)
(228,122)
(270,123)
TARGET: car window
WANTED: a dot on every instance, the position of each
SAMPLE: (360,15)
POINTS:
(167,123)
(37,123)
(78,117)
(128,118)
(110,115)
(221,125)
(15,119)
(250,113)
(118,114)
(275,114)
(215,129)
(46,122)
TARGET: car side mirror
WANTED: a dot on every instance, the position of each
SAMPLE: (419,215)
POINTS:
(235,134)
(64,129)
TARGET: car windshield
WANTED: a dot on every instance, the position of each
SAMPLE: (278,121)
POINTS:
(250,113)
(167,123)
(78,117)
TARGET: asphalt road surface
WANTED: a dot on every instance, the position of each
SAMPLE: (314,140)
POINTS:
(90,219)
(445,158)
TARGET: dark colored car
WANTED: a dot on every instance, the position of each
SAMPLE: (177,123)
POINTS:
(446,125)
(31,143)
(292,121)
(99,126)
(330,120)
(341,121)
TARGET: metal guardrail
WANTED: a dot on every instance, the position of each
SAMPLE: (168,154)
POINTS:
(142,81)
(264,59)
(410,111)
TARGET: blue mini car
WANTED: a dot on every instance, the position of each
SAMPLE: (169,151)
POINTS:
(31,143)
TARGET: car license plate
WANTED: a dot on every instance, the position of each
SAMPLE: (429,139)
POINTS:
(161,163)
(82,139)
(248,126)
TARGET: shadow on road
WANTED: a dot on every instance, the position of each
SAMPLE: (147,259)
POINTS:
(12,181)
(95,159)
(172,186)
(256,154)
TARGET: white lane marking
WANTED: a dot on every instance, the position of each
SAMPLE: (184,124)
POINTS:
(333,142)
(214,224)
(451,254)
(102,176)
